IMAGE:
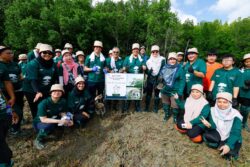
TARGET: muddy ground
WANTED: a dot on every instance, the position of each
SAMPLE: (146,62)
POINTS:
(132,140)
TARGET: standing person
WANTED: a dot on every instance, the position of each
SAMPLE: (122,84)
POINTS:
(226,79)
(114,64)
(68,71)
(143,54)
(94,65)
(15,75)
(134,64)
(80,103)
(154,66)
(80,56)
(41,73)
(180,58)
(244,96)
(22,63)
(5,119)
(173,78)
(195,69)
(34,53)
(212,65)
(58,56)
(50,110)
(196,108)
(223,130)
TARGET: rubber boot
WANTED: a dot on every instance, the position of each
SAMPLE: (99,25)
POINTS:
(38,141)
(244,110)
(147,103)
(137,106)
(156,104)
(175,114)
(166,109)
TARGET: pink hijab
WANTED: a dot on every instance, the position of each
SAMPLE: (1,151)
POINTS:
(72,66)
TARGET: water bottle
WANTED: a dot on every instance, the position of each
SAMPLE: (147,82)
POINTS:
(9,110)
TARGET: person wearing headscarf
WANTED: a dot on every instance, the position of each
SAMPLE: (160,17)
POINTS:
(223,127)
(154,65)
(196,107)
(173,78)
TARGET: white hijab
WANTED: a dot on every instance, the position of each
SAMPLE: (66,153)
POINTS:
(193,107)
(154,63)
(224,119)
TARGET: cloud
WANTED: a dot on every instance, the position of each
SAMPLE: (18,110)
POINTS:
(233,9)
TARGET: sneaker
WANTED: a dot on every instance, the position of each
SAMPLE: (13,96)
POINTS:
(38,144)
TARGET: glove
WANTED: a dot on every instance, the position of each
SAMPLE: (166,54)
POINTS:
(190,69)
(105,71)
(209,96)
(247,83)
(94,69)
(234,103)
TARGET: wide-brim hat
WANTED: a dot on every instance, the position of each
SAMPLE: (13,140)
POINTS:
(79,53)
(135,46)
(79,79)
(225,95)
(45,47)
(155,48)
(98,44)
(246,56)
(198,87)
(172,55)
(57,87)
(192,50)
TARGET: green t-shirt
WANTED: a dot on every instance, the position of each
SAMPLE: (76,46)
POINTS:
(80,101)
(45,77)
(14,75)
(245,75)
(225,80)
(117,67)
(22,66)
(47,108)
(133,65)
(97,76)
(200,66)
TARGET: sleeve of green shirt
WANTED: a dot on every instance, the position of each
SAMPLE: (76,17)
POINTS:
(204,113)
(235,134)
(203,67)
(41,112)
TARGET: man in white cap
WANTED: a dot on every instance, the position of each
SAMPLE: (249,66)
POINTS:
(136,65)
(110,53)
(34,53)
(22,63)
(195,69)
(95,66)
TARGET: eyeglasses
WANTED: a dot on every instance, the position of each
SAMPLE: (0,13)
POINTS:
(47,52)
(115,52)
(155,51)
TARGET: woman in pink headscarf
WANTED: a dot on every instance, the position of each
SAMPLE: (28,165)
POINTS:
(68,71)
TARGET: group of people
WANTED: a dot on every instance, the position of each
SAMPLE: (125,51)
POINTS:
(61,87)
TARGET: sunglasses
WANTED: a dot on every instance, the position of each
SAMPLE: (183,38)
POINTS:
(47,52)
(155,51)
(115,52)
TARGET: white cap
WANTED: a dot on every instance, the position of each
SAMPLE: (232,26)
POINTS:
(22,57)
(58,50)
(57,87)
(68,45)
(172,55)
(98,43)
(198,87)
(224,95)
(65,51)
(155,48)
(45,47)
(38,45)
(79,79)
(246,56)
(135,46)
(110,51)
(79,52)
(193,50)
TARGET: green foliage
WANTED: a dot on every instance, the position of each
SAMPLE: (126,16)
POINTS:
(27,22)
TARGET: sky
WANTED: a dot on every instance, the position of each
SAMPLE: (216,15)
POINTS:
(208,10)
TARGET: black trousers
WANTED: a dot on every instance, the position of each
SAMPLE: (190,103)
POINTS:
(194,132)
(150,88)
(212,137)
(5,152)
(94,87)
